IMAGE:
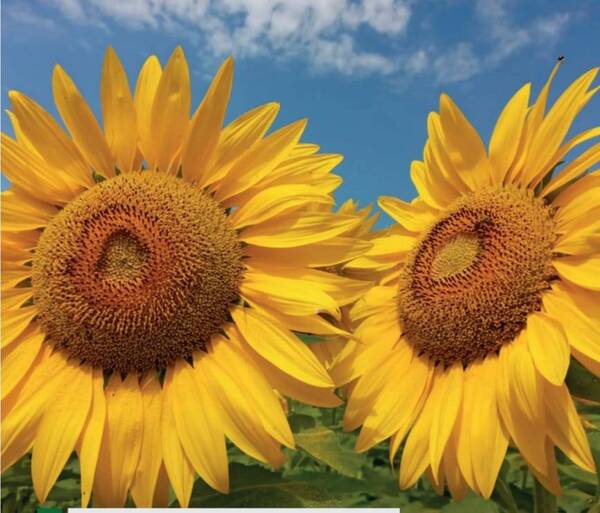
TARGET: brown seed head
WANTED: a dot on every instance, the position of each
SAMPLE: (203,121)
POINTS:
(476,275)
(136,272)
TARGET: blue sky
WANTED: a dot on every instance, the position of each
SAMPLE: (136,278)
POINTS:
(365,72)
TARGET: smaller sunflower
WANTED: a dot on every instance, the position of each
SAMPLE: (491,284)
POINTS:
(488,284)
(361,234)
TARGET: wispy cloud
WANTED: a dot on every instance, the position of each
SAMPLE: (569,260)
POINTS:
(321,32)
(350,37)
(507,37)
(500,37)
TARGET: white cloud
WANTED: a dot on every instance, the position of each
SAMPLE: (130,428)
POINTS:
(322,32)
(329,35)
(457,64)
(417,62)
(18,15)
(507,37)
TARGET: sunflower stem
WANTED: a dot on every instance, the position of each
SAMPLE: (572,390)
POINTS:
(543,500)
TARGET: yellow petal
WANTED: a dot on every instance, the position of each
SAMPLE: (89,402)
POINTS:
(161,493)
(121,441)
(118,112)
(465,148)
(409,216)
(16,298)
(565,427)
(19,135)
(49,140)
(82,124)
(179,469)
(504,142)
(259,391)
(14,322)
(240,419)
(240,135)
(201,434)
(378,335)
(259,160)
(21,214)
(548,347)
(523,424)
(18,358)
(576,201)
(294,167)
(146,474)
(343,290)
(291,387)
(576,140)
(376,299)
(55,441)
(280,347)
(91,437)
(33,176)
(295,229)
(526,383)
(397,404)
(415,458)
(488,441)
(432,189)
(582,331)
(554,127)
(321,254)
(200,146)
(170,111)
(580,270)
(23,409)
(447,390)
(292,297)
(436,156)
(273,201)
(313,324)
(368,404)
(574,169)
(143,99)
(456,482)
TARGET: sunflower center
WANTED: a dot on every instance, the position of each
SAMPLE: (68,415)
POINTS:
(136,272)
(455,256)
(476,275)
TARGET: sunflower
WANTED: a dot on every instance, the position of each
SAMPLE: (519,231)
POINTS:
(360,236)
(154,275)
(489,283)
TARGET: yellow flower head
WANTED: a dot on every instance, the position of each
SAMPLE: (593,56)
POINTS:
(154,274)
(488,284)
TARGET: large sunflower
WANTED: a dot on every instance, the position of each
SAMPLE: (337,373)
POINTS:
(488,284)
(154,274)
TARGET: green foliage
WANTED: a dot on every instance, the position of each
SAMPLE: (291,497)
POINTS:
(325,471)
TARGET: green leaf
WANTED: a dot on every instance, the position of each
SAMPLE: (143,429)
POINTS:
(324,445)
(582,383)
(472,504)
(300,422)
(254,486)
(594,439)
(503,494)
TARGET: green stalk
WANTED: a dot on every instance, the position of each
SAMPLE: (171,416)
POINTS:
(543,500)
